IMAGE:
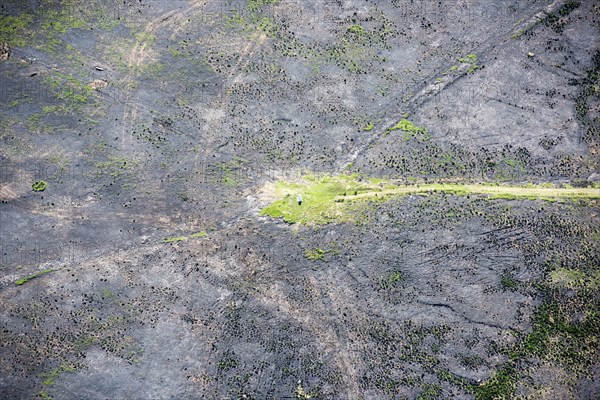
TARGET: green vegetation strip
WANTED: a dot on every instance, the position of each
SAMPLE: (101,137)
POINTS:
(30,277)
(176,239)
(339,198)
(502,192)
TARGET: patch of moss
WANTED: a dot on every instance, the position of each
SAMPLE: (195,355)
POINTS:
(395,277)
(14,29)
(513,163)
(472,69)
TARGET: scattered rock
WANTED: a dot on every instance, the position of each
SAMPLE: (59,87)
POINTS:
(4,51)
(530,54)
(98,84)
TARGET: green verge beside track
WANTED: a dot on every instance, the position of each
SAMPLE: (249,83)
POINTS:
(336,198)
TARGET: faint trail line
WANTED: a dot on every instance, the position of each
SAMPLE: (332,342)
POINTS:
(430,88)
(351,378)
(462,315)
(136,58)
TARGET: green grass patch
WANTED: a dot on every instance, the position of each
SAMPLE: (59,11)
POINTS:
(431,391)
(145,37)
(229,171)
(15,29)
(556,336)
(508,282)
(33,276)
(568,7)
(85,343)
(174,239)
(227,362)
(390,281)
(410,130)
(395,277)
(494,191)
(357,30)
(563,277)
(518,34)
(322,199)
(315,254)
(472,60)
(39,186)
(116,165)
(340,198)
(50,378)
(472,69)
(302,393)
(256,4)
(500,386)
(22,30)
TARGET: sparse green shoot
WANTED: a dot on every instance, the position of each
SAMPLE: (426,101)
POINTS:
(174,239)
(33,276)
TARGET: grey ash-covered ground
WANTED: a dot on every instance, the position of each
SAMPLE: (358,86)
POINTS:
(157,124)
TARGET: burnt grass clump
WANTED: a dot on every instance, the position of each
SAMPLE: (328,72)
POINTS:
(141,141)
